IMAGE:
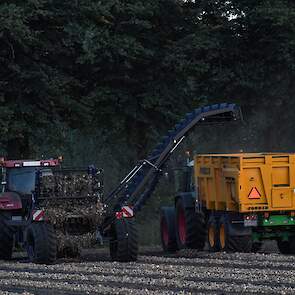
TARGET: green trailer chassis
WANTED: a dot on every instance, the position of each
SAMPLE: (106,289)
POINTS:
(274,227)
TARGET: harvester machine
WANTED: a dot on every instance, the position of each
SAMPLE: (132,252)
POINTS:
(137,186)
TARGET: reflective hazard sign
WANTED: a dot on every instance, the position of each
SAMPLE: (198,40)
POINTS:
(254,194)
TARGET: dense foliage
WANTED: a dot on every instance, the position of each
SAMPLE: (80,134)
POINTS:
(124,71)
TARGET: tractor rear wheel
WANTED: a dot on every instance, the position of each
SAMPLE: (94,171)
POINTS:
(124,240)
(287,247)
(167,227)
(228,241)
(6,238)
(190,227)
(41,243)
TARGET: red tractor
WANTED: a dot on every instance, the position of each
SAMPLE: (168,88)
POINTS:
(37,203)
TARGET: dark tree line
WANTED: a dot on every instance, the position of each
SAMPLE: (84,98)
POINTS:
(129,69)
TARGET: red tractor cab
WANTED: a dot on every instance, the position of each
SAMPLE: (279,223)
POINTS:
(21,218)
(19,182)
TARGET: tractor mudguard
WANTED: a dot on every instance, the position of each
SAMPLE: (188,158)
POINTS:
(10,201)
(188,199)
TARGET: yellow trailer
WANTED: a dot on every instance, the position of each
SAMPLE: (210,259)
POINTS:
(248,197)
(246,182)
(234,201)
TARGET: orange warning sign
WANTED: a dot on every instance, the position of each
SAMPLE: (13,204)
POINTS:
(254,194)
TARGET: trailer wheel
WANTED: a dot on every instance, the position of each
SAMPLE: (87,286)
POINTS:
(167,227)
(287,247)
(190,226)
(229,242)
(256,247)
(284,247)
(212,234)
(6,238)
(123,240)
(41,243)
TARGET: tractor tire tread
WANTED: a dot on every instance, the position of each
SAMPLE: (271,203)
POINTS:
(195,228)
(168,216)
(196,231)
(45,243)
(6,239)
(124,243)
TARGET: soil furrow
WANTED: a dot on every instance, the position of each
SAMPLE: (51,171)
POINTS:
(196,275)
(204,273)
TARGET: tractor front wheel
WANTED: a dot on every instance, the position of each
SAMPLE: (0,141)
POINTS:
(6,238)
(123,240)
(41,243)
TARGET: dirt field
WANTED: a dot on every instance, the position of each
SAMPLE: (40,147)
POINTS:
(187,272)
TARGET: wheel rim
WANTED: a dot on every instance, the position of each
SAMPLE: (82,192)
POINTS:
(165,234)
(222,236)
(181,226)
(211,235)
